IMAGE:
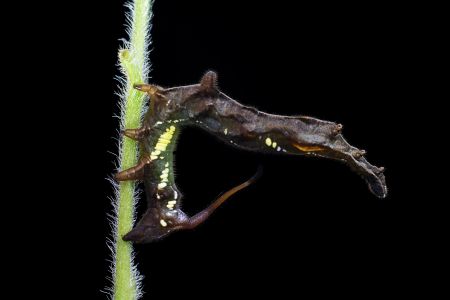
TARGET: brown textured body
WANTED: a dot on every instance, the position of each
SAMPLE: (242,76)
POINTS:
(204,106)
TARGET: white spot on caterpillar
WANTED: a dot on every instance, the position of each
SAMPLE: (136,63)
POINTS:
(166,165)
(278,148)
(274,145)
(159,123)
(268,141)
(162,185)
(171,203)
(163,223)
(175,195)
(225,131)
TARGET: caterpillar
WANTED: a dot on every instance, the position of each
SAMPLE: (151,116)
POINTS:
(204,105)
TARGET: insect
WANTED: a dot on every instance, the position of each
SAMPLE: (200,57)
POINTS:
(204,106)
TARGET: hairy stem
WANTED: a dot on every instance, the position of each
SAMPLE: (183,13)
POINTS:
(135,67)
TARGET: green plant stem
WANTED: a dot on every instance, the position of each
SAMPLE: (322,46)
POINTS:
(134,64)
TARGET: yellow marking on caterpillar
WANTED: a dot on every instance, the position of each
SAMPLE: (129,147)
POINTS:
(163,223)
(154,154)
(170,204)
(165,174)
(268,141)
(162,185)
(161,147)
(164,140)
(274,145)
(307,148)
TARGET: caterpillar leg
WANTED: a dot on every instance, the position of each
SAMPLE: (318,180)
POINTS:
(133,173)
(147,88)
(136,134)
(155,92)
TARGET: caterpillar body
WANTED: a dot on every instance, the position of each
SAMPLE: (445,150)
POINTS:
(204,106)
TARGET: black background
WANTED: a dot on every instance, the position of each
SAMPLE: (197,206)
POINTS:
(308,225)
